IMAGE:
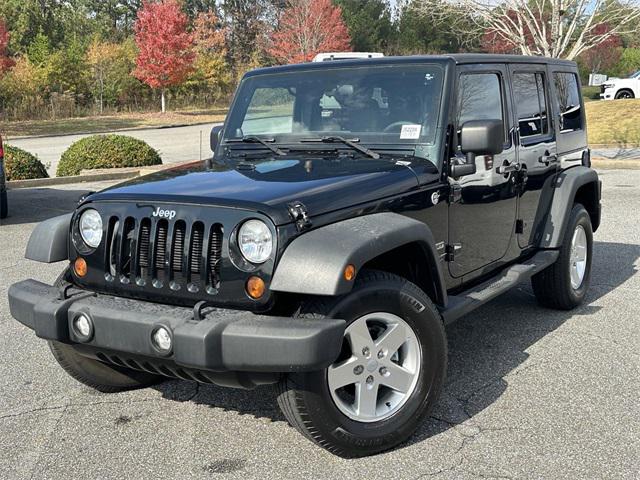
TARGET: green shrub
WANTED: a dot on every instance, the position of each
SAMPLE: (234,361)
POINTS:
(21,165)
(106,151)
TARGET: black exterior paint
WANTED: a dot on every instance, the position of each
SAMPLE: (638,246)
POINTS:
(335,183)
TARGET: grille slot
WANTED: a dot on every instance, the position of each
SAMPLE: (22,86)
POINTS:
(159,253)
(161,244)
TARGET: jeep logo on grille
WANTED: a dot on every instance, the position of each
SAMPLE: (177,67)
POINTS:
(164,213)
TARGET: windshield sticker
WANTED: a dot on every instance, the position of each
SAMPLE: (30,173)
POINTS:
(410,132)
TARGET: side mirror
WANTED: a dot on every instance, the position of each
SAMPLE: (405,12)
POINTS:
(482,137)
(214,137)
(478,137)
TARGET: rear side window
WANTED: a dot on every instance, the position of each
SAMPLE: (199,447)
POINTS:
(568,101)
(531,104)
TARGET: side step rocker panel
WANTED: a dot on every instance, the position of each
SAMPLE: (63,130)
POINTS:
(465,302)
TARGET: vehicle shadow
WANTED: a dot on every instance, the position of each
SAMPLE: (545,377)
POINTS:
(32,205)
(484,348)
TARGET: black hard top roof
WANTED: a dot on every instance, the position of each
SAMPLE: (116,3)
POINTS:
(458,58)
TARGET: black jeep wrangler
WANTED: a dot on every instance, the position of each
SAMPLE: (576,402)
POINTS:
(349,212)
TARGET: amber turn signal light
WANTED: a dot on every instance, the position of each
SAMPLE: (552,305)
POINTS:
(80,267)
(349,272)
(255,287)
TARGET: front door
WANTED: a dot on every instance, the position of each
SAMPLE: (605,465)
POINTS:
(537,154)
(482,215)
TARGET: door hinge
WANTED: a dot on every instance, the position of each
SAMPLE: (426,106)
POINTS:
(455,193)
(300,215)
(519,226)
(450,251)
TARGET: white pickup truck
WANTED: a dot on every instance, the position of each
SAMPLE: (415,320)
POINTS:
(616,88)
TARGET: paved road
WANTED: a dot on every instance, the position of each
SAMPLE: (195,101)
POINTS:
(531,393)
(174,144)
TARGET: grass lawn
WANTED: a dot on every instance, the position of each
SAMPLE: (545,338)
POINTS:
(107,123)
(615,122)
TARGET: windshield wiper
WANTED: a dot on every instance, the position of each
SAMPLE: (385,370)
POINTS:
(351,143)
(261,141)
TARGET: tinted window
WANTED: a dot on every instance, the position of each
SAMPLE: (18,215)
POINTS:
(270,111)
(568,101)
(376,104)
(479,98)
(531,104)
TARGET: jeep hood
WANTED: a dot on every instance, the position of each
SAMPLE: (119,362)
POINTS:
(269,185)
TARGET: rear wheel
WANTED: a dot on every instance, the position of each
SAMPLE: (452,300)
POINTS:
(564,284)
(387,378)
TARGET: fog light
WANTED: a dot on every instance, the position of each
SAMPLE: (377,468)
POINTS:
(83,327)
(161,339)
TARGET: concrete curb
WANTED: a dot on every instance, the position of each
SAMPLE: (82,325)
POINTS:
(99,175)
(49,182)
(8,138)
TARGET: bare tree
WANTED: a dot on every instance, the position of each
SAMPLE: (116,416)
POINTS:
(553,28)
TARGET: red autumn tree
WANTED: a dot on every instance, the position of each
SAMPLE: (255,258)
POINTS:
(308,27)
(165,56)
(604,55)
(6,62)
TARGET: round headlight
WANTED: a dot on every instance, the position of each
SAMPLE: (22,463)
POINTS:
(91,228)
(255,241)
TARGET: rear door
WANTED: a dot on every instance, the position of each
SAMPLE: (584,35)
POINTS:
(536,148)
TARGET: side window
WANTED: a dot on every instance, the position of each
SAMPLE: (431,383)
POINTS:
(531,104)
(270,111)
(479,98)
(568,101)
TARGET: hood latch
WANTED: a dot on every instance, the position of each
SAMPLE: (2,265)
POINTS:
(300,215)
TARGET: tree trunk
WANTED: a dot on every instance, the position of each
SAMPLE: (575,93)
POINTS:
(164,103)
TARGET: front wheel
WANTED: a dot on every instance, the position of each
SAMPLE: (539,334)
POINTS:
(624,95)
(387,378)
(564,284)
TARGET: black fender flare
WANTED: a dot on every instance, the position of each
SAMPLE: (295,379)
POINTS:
(314,262)
(565,187)
(49,241)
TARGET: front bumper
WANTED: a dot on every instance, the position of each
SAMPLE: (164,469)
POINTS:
(223,340)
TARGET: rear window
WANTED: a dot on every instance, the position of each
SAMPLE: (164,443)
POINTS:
(568,101)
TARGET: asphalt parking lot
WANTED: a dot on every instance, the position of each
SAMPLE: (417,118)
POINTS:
(531,393)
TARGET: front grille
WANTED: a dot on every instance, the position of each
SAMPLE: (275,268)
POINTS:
(164,254)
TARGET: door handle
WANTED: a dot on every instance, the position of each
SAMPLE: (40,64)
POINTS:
(508,168)
(548,159)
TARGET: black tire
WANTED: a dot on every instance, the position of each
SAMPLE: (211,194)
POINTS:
(305,398)
(93,373)
(98,375)
(624,94)
(4,204)
(552,286)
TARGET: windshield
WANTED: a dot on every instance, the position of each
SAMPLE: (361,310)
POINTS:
(395,104)
(635,75)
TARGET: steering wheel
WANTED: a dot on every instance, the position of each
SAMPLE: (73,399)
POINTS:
(395,125)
